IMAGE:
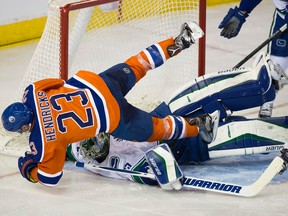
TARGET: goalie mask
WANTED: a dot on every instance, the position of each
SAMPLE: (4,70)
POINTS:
(15,116)
(96,148)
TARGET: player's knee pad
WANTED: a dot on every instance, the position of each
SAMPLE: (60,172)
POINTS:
(231,90)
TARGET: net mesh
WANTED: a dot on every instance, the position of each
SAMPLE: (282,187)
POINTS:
(103,35)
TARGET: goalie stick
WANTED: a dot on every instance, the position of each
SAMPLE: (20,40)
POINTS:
(275,35)
(189,182)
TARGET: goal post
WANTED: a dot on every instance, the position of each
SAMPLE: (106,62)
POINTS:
(200,18)
(94,35)
(81,35)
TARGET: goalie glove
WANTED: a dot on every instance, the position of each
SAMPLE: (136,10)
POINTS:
(232,23)
(165,167)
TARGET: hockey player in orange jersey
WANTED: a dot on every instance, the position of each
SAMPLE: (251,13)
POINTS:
(59,112)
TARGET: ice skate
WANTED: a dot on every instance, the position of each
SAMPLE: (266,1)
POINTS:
(188,34)
(266,110)
(208,125)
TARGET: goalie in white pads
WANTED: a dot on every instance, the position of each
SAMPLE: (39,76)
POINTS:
(108,151)
(226,91)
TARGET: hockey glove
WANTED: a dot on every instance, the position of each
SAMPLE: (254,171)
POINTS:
(232,23)
(25,165)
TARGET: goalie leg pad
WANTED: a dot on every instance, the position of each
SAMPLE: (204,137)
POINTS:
(226,90)
(166,169)
(250,136)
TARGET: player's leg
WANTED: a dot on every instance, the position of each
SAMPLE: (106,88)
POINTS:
(138,125)
(278,49)
(178,127)
(122,77)
(279,79)
(158,53)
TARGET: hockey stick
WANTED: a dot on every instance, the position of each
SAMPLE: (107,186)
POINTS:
(246,191)
(215,186)
(275,35)
(111,169)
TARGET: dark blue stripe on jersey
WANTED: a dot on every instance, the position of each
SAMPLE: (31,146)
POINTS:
(49,180)
(156,56)
(36,136)
(98,102)
(178,128)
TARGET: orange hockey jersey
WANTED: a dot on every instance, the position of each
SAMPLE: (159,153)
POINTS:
(65,114)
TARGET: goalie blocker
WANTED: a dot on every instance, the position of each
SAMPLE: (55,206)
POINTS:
(165,168)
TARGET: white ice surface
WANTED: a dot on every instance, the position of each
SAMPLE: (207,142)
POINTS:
(83,193)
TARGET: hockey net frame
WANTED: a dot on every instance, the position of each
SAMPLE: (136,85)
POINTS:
(57,49)
(64,14)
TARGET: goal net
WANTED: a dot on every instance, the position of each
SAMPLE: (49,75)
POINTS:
(94,35)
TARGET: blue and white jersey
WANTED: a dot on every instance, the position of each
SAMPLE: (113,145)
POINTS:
(123,154)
